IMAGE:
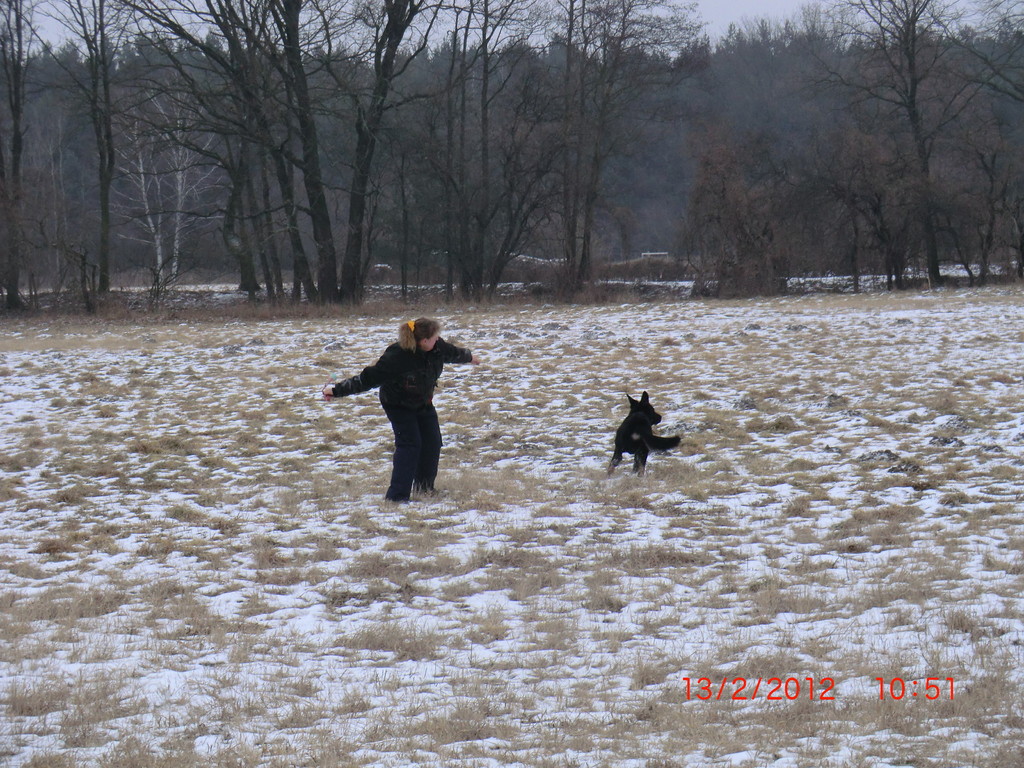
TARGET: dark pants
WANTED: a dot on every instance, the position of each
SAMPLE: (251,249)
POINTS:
(417,450)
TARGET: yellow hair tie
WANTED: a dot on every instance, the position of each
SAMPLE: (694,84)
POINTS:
(412,325)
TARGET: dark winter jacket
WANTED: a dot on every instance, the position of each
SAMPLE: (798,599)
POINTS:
(406,379)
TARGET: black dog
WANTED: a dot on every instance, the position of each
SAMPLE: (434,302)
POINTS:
(636,435)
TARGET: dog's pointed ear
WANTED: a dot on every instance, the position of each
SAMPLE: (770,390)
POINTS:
(632,402)
(645,399)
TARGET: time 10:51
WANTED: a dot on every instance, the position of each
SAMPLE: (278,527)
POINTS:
(930,688)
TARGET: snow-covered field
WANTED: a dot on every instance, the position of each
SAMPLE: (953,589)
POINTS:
(197,567)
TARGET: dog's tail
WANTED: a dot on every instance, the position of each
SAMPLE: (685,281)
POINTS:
(657,443)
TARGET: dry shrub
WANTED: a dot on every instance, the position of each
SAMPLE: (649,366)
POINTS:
(404,639)
(301,717)
(74,494)
(526,585)
(66,604)
(798,507)
(162,445)
(779,424)
(381,565)
(93,702)
(54,546)
(326,550)
(266,553)
(600,600)
(487,626)
(186,513)
(510,557)
(354,703)
(45,759)
(27,697)
(638,559)
(647,671)
(465,721)
(20,461)
(134,752)
(9,489)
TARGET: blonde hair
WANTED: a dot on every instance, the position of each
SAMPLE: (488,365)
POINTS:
(413,331)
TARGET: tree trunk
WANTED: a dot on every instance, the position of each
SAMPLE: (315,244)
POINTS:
(319,213)
(855,252)
(12,280)
(106,151)
(268,228)
(14,58)
(400,15)
(1020,254)
(925,202)
(352,265)
(302,274)
(235,236)
(261,235)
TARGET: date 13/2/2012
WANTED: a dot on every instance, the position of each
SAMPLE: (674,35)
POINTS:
(769,689)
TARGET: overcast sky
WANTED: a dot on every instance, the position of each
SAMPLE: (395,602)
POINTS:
(718,14)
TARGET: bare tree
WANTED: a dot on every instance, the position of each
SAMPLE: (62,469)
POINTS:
(230,70)
(165,178)
(491,140)
(386,26)
(288,18)
(98,27)
(733,217)
(17,44)
(905,64)
(53,223)
(616,51)
(1000,52)
(980,167)
(999,49)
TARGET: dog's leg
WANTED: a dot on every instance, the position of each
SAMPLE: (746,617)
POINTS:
(616,460)
(640,460)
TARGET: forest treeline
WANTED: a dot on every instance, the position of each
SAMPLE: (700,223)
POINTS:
(306,148)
